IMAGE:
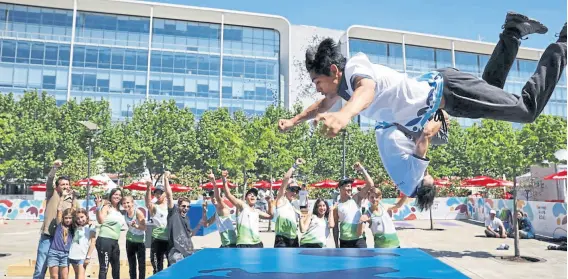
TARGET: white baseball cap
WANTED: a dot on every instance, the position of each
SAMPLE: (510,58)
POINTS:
(492,211)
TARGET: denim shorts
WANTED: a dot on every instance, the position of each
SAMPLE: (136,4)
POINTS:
(57,258)
(78,262)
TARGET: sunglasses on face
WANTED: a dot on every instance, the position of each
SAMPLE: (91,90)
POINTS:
(184,206)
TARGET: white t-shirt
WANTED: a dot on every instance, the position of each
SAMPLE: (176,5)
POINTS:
(81,241)
(303,197)
(495,224)
(398,98)
(397,153)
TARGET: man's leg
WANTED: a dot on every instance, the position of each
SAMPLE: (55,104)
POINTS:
(154,256)
(489,233)
(516,26)
(523,234)
(41,259)
(336,235)
(467,96)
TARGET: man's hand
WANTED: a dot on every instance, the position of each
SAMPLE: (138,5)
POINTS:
(358,167)
(57,164)
(86,263)
(364,218)
(211,175)
(98,200)
(285,125)
(333,123)
(167,174)
(224,174)
(300,161)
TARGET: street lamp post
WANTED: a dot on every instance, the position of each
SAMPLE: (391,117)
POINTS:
(92,128)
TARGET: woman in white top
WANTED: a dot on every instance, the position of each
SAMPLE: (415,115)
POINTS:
(222,216)
(315,226)
(83,243)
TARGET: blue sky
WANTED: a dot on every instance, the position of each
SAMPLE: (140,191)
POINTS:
(455,18)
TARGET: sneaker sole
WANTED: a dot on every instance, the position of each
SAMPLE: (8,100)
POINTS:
(520,17)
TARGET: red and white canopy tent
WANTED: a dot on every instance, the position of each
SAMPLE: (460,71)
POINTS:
(218,182)
(326,184)
(556,176)
(38,188)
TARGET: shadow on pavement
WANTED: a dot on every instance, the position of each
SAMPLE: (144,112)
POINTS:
(452,254)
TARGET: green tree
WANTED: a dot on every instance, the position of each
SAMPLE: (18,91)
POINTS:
(73,137)
(35,138)
(166,135)
(543,137)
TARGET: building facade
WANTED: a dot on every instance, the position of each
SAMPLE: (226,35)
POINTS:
(416,54)
(203,58)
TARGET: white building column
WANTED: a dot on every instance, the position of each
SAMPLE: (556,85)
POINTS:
(149,53)
(403,53)
(221,60)
(73,28)
(453,55)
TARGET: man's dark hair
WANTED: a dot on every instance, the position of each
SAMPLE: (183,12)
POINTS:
(63,177)
(425,196)
(327,53)
(315,209)
(345,181)
(182,199)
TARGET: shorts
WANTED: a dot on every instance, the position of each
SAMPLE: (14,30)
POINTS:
(77,262)
(258,245)
(284,242)
(57,258)
(229,246)
(357,243)
(311,245)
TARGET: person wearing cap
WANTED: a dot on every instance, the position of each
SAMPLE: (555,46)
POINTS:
(287,221)
(158,213)
(248,231)
(222,216)
(494,226)
(348,211)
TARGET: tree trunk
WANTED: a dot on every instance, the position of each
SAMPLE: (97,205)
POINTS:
(431,221)
(515,226)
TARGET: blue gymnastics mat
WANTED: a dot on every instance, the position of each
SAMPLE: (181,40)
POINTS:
(303,263)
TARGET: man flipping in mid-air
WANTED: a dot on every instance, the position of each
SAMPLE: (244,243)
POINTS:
(392,98)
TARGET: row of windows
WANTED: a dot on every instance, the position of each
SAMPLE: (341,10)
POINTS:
(35,15)
(133,31)
(135,60)
(34,53)
(20,76)
(389,54)
(110,58)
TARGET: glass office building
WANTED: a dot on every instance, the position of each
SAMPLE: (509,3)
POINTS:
(414,60)
(81,52)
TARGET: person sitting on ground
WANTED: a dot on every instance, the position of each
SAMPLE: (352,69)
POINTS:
(494,226)
(526,230)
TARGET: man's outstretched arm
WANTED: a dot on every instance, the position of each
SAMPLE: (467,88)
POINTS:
(319,106)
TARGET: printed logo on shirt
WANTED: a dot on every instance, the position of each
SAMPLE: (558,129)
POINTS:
(436,82)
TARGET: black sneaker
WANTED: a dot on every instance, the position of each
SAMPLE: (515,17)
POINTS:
(562,35)
(524,24)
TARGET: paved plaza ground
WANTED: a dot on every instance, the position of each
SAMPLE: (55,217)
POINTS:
(459,245)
